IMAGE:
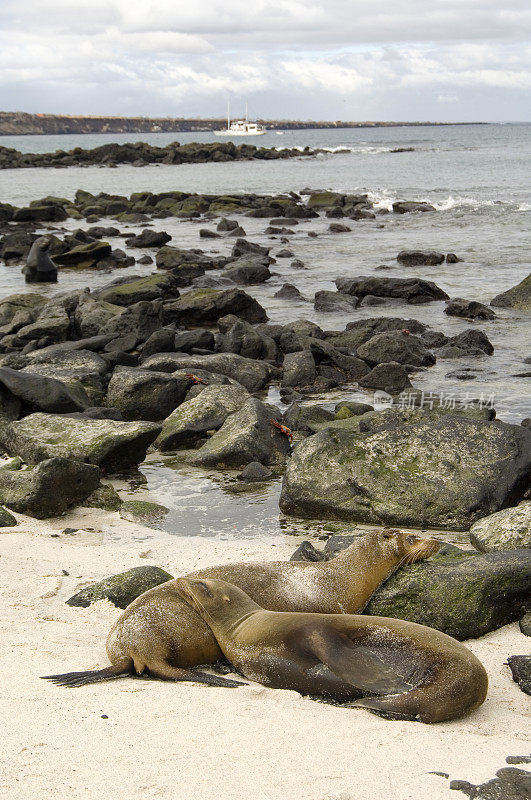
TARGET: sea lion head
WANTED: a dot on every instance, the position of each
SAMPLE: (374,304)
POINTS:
(407,547)
(214,599)
(43,243)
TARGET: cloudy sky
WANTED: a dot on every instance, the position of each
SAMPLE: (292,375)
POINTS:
(298,59)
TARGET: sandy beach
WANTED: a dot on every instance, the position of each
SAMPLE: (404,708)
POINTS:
(135,738)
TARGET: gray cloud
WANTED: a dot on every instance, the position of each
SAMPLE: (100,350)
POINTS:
(454,58)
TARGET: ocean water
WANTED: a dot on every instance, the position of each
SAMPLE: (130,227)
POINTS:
(477,176)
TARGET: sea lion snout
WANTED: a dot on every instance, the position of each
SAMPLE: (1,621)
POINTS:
(418,549)
(408,546)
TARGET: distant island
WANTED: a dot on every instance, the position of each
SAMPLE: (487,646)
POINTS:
(21,123)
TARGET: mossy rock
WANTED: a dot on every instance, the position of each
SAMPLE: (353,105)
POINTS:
(7,520)
(142,511)
(105,497)
(424,471)
(465,597)
(325,199)
(107,443)
(121,589)
(518,296)
(48,489)
(344,413)
(224,208)
(150,287)
(84,256)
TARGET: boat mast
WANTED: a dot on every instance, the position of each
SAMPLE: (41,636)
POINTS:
(228,114)
(246,115)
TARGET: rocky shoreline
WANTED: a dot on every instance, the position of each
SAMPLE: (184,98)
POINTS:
(180,360)
(140,154)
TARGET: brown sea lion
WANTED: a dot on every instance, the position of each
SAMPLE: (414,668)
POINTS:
(407,670)
(161,634)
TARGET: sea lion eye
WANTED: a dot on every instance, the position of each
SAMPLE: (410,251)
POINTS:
(205,588)
(388,534)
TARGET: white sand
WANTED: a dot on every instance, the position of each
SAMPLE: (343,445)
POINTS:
(166,740)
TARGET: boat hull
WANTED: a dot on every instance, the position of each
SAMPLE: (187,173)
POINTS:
(240,133)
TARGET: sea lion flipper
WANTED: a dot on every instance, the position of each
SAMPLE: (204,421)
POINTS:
(358,664)
(168,673)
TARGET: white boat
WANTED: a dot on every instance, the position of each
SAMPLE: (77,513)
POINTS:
(241,127)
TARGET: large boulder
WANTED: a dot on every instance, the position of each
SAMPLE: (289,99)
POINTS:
(247,270)
(438,471)
(390,377)
(504,530)
(205,412)
(248,435)
(149,238)
(126,292)
(408,206)
(396,346)
(84,256)
(472,339)
(49,488)
(39,393)
(412,290)
(136,323)
(40,213)
(91,315)
(325,199)
(22,306)
(203,306)
(299,369)
(52,323)
(146,394)
(518,296)
(302,418)
(243,339)
(242,247)
(420,258)
(364,329)
(470,309)
(464,596)
(107,443)
(15,246)
(254,375)
(81,370)
(334,301)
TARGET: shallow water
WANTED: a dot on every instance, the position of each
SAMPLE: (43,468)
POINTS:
(476,176)
(211,503)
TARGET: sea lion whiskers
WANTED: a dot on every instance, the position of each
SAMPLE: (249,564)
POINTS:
(425,548)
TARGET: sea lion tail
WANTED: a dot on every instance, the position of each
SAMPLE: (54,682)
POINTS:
(109,673)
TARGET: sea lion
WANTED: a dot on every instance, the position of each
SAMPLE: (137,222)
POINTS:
(39,266)
(161,634)
(409,671)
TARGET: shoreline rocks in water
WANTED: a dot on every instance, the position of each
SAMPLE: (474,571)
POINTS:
(518,296)
(141,154)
